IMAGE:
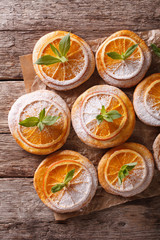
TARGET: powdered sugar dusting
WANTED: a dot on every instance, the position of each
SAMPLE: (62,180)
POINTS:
(76,193)
(156,150)
(140,107)
(22,108)
(124,83)
(77,113)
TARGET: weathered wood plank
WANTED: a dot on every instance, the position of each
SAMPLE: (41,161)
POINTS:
(24,22)
(96,16)
(73,15)
(27,218)
(9,92)
(14,161)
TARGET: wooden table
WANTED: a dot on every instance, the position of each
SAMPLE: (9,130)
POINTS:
(23,216)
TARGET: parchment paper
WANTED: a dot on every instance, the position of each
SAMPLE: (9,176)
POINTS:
(142,134)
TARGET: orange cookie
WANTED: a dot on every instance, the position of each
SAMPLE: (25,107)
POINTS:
(52,174)
(126,170)
(146,100)
(45,120)
(75,67)
(123,71)
(108,130)
(156,150)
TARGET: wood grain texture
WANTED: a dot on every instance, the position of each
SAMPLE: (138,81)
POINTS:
(82,16)
(23,216)
(28,218)
(24,22)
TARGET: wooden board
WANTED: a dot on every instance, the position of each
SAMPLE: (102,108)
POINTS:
(23,216)
(27,218)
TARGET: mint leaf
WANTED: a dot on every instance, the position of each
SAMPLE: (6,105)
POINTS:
(123,56)
(99,118)
(64,44)
(55,50)
(124,171)
(69,176)
(103,110)
(40,125)
(107,116)
(47,60)
(39,122)
(129,51)
(130,166)
(57,187)
(155,49)
(114,55)
(49,120)
(67,179)
(41,115)
(114,114)
(29,122)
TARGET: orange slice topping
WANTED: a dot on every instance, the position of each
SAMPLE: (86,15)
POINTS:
(75,67)
(75,192)
(118,68)
(136,175)
(91,107)
(50,134)
(152,99)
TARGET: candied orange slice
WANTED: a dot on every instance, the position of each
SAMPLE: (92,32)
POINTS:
(136,180)
(152,99)
(91,107)
(136,175)
(122,69)
(73,68)
(75,193)
(50,134)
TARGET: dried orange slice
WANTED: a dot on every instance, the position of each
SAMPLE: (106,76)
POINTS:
(91,107)
(69,74)
(50,134)
(152,99)
(122,69)
(146,100)
(79,190)
(118,72)
(106,134)
(156,150)
(31,138)
(75,193)
(138,178)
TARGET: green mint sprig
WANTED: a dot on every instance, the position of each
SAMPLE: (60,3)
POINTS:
(124,171)
(155,49)
(67,179)
(108,116)
(123,56)
(39,122)
(64,46)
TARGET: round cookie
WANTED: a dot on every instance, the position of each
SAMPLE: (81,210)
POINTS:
(123,73)
(106,134)
(33,139)
(77,193)
(66,75)
(146,100)
(156,150)
(136,180)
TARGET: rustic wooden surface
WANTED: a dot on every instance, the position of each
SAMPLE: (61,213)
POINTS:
(23,216)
